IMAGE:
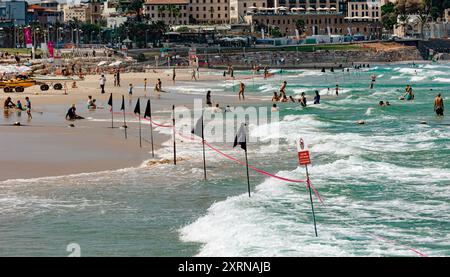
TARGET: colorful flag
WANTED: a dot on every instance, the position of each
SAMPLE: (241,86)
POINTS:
(51,49)
(27,36)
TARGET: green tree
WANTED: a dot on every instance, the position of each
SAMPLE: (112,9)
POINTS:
(388,16)
(301,26)
(275,32)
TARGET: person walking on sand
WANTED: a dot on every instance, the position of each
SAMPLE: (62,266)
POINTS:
(145,85)
(241,91)
(159,84)
(118,76)
(174,74)
(102,83)
(439,105)
(193,75)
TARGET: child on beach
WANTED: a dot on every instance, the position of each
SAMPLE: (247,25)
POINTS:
(28,107)
(130,90)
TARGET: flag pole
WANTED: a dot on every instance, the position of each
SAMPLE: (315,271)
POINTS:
(174,143)
(140,132)
(124,121)
(151,128)
(112,115)
(310,198)
(246,165)
(248,178)
(203,143)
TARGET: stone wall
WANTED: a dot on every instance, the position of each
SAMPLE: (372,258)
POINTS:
(297,59)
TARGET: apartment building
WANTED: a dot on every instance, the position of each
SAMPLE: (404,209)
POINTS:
(171,12)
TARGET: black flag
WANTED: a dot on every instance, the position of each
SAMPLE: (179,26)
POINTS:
(198,128)
(122,108)
(148,110)
(137,109)
(110,101)
(241,138)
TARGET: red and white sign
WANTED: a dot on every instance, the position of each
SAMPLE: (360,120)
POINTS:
(303,157)
(303,154)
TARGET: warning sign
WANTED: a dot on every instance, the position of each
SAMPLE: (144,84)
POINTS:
(303,157)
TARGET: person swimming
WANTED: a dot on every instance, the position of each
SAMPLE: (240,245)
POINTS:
(409,95)
(274,108)
(275,97)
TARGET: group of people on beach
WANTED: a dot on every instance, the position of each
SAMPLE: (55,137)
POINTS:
(9,104)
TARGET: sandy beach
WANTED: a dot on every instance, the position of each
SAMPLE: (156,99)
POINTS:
(47,146)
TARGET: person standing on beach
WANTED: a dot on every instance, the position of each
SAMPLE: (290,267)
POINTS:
(174,74)
(439,105)
(102,83)
(145,85)
(130,90)
(28,107)
(337,90)
(159,85)
(115,79)
(208,99)
(118,77)
(241,91)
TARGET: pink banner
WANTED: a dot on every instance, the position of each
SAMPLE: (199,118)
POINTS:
(27,36)
(51,49)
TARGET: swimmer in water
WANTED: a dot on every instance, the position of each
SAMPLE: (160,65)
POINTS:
(439,105)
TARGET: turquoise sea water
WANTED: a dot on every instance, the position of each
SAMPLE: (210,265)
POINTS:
(385,184)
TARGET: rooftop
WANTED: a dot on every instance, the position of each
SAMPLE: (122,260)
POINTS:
(166,2)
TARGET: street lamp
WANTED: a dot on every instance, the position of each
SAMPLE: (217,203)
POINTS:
(58,36)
